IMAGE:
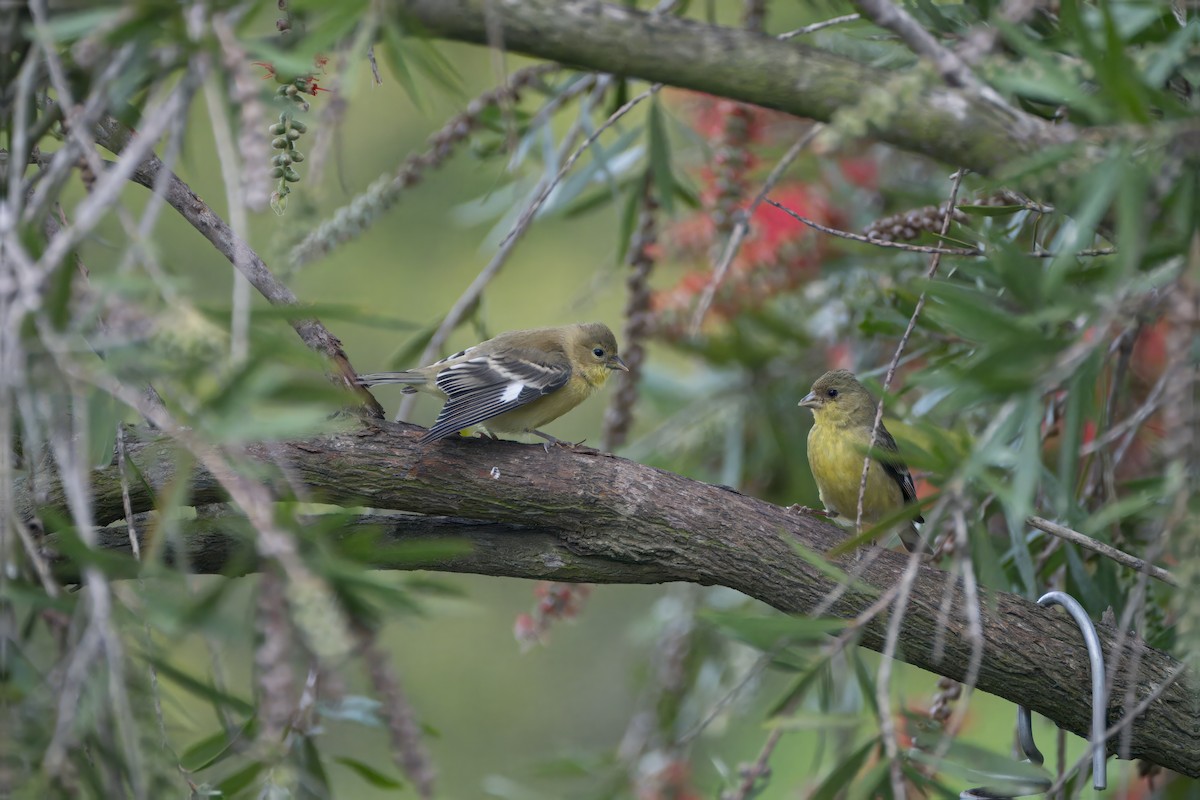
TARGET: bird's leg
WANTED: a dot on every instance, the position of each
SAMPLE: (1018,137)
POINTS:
(552,440)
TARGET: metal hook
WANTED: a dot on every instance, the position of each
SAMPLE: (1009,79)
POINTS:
(1099,701)
(1099,706)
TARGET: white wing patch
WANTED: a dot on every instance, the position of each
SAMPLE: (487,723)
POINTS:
(486,386)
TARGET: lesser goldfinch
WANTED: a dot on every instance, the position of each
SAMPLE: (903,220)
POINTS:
(515,382)
(843,415)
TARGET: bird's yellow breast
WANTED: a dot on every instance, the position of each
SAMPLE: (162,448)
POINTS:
(835,455)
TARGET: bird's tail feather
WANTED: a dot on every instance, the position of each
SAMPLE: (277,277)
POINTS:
(410,377)
(912,540)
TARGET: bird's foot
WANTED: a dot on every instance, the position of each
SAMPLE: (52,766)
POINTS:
(553,441)
(796,508)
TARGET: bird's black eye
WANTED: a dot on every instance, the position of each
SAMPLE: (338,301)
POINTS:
(832,393)
(598,352)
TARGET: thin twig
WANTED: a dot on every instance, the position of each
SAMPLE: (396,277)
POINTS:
(640,257)
(408,747)
(189,205)
(273,541)
(883,680)
(467,302)
(952,69)
(891,373)
(858,237)
(753,772)
(883,683)
(231,167)
(135,546)
(970,252)
(974,616)
(743,226)
(374,66)
(816,26)
(1106,550)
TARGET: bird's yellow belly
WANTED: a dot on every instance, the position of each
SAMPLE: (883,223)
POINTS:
(836,458)
(534,415)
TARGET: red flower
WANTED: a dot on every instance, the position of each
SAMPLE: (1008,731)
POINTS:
(862,171)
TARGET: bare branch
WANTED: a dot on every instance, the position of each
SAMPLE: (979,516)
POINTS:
(952,69)
(201,217)
(742,65)
(858,237)
(971,252)
(817,26)
(743,226)
(470,298)
(1106,550)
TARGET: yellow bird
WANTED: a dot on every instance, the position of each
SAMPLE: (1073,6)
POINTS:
(843,415)
(515,382)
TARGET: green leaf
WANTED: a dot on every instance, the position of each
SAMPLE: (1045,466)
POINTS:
(866,683)
(1002,774)
(354,708)
(199,688)
(65,26)
(393,46)
(817,670)
(103,417)
(621,159)
(215,748)
(406,356)
(766,633)
(240,779)
(875,782)
(970,313)
(369,774)
(660,158)
(315,782)
(1079,406)
(629,220)
(831,570)
(68,543)
(843,774)
(815,722)
(990,211)
(1128,506)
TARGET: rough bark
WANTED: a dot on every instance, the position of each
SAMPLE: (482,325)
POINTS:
(956,126)
(572,516)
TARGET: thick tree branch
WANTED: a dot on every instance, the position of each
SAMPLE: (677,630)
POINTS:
(957,126)
(573,516)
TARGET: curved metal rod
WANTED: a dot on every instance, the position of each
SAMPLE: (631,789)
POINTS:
(1099,700)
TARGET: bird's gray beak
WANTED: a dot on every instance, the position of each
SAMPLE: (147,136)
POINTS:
(615,362)
(810,400)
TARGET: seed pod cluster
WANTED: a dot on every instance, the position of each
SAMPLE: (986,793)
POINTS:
(286,133)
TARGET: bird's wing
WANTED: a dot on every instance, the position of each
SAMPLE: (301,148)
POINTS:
(896,469)
(487,386)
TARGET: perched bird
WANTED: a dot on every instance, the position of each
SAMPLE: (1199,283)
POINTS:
(843,415)
(516,382)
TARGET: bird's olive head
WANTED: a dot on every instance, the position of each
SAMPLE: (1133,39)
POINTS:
(596,347)
(838,395)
